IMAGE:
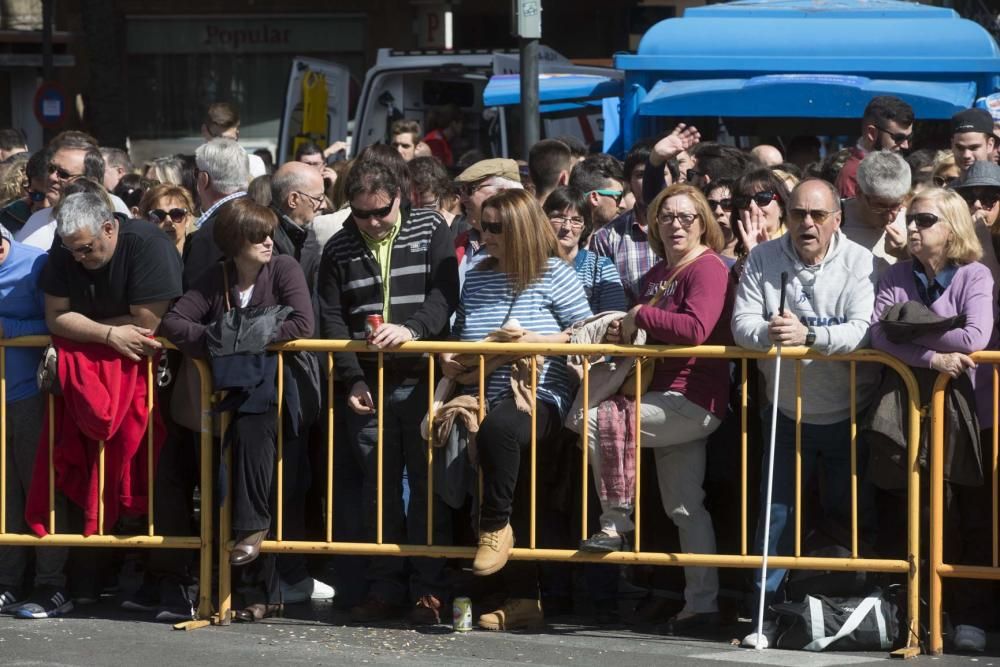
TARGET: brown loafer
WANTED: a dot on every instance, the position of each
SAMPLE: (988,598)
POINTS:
(247,549)
(258,612)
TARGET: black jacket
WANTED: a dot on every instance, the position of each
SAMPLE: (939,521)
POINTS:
(423,294)
(299,242)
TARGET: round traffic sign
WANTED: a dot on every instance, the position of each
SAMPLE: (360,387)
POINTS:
(50,104)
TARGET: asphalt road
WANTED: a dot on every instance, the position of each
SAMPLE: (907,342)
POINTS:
(103,636)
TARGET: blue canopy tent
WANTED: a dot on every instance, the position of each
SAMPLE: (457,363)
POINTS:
(805,59)
(556,92)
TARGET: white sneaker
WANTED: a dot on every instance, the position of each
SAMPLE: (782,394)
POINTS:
(307,589)
(970,638)
(770,635)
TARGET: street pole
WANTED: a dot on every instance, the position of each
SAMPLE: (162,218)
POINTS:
(527,26)
(529,95)
(47,73)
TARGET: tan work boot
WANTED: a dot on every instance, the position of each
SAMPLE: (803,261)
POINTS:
(493,552)
(515,614)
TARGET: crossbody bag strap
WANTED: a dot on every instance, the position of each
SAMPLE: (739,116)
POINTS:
(225,282)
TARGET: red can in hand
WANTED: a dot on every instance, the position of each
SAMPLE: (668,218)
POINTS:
(372,323)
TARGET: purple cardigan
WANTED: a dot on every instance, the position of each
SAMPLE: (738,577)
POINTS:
(970,293)
(279,283)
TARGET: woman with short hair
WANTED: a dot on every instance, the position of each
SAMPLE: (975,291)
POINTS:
(248,277)
(572,223)
(945,276)
(525,279)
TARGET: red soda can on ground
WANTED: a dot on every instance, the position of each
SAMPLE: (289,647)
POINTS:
(372,323)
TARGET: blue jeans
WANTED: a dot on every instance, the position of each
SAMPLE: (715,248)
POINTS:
(829,443)
(404,407)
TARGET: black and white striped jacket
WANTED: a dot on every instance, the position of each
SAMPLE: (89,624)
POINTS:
(423,293)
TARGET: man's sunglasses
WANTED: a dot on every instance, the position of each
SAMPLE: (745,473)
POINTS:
(61,173)
(82,251)
(985,197)
(898,138)
(725,204)
(762,198)
(491,227)
(692,175)
(362,214)
(158,215)
(818,216)
(922,220)
(614,194)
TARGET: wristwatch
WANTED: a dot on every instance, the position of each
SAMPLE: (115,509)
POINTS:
(413,333)
(810,337)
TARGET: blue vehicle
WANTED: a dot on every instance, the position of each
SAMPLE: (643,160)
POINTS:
(789,67)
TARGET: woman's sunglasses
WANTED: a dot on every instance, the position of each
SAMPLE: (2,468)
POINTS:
(158,215)
(491,227)
(725,204)
(762,198)
(922,220)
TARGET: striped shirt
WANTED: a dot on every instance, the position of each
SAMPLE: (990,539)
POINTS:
(601,282)
(548,306)
(627,245)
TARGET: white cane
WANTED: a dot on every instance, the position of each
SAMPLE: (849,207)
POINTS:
(770,475)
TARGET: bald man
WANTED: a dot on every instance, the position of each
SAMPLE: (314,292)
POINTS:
(297,195)
(768,155)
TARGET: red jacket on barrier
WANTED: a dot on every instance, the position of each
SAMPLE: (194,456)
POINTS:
(104,398)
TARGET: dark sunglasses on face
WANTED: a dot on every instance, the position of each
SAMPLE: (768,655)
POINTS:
(922,220)
(362,214)
(491,227)
(725,204)
(61,173)
(158,215)
(762,198)
(897,137)
(83,250)
(985,197)
(882,207)
(692,174)
(818,216)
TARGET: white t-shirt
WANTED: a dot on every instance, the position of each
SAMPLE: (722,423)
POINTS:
(40,229)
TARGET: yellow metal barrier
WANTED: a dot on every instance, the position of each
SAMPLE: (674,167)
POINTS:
(203,543)
(938,568)
(906,565)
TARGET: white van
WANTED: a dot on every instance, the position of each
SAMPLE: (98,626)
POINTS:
(411,84)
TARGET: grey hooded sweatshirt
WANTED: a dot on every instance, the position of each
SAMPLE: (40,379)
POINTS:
(836,298)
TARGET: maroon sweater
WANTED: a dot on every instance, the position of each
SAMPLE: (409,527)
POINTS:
(696,310)
(279,283)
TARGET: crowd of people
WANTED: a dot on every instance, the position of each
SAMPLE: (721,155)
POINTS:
(685,242)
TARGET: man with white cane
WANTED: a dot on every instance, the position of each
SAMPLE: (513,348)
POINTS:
(829,296)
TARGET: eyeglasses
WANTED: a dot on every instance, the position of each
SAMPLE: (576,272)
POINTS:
(158,215)
(922,220)
(819,216)
(693,174)
(319,201)
(491,227)
(81,251)
(986,198)
(725,204)
(614,194)
(469,189)
(898,138)
(362,214)
(61,173)
(686,219)
(762,198)
(882,207)
(575,221)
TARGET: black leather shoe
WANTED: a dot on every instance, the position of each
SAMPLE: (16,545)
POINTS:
(601,542)
(688,625)
(247,549)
